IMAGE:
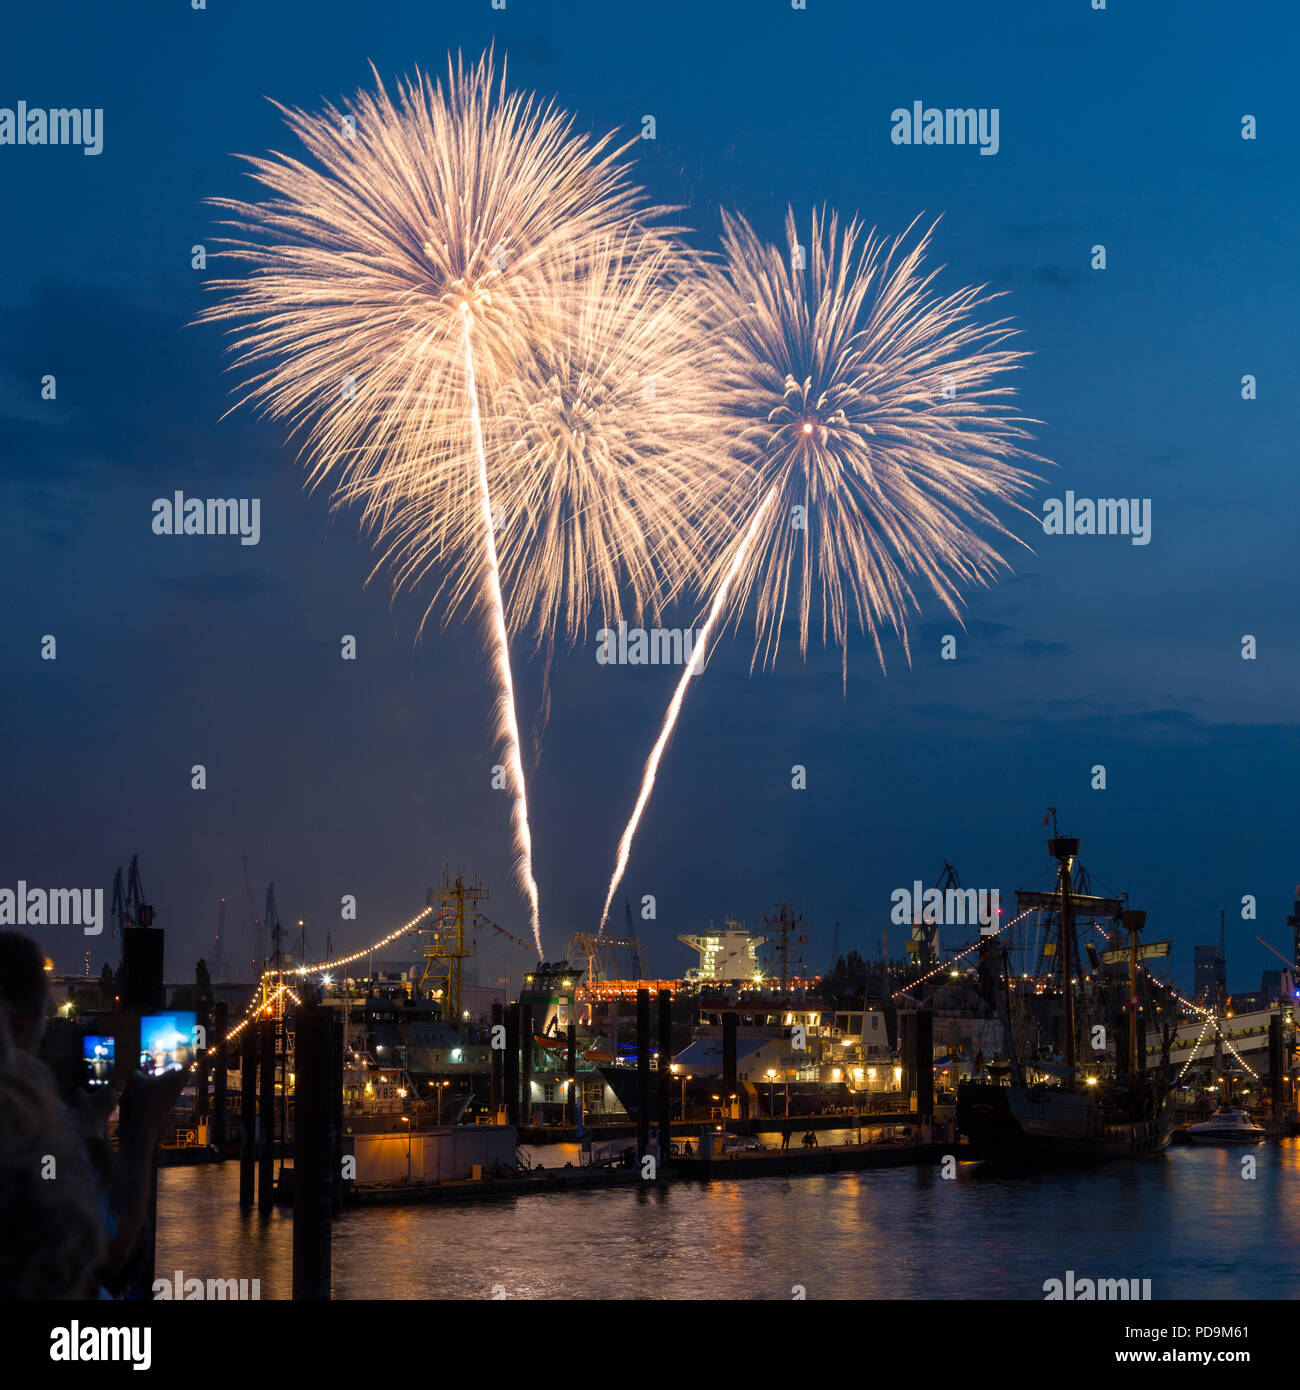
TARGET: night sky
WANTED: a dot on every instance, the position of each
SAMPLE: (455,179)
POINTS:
(1121,127)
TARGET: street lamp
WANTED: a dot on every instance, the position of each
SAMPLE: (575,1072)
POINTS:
(439,1089)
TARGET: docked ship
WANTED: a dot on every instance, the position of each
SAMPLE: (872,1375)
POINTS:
(1048,1100)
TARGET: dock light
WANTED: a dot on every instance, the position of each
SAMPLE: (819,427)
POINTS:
(898,1073)
(325,979)
(1091,1080)
(871,1073)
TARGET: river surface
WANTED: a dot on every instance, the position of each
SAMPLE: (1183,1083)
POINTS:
(1189,1222)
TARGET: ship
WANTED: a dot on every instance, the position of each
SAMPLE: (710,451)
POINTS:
(1227,1126)
(1065,1101)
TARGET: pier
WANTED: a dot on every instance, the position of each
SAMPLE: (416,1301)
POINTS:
(759,1163)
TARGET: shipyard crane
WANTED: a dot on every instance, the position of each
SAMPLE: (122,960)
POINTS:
(450,942)
(598,950)
(129,907)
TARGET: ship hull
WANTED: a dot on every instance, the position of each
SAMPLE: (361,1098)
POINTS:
(1014,1126)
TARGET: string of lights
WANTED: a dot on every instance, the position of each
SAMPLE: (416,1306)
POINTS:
(356,955)
(1210,1017)
(947,965)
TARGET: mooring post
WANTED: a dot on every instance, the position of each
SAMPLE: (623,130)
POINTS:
(203,1055)
(1275,1063)
(313,1151)
(266,1116)
(525,1064)
(247,1116)
(572,1110)
(665,1075)
(925,1065)
(730,1030)
(220,1022)
(642,1073)
(337,1043)
(497,1055)
(510,1064)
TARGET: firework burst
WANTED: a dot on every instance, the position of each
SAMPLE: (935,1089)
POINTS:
(602,454)
(873,432)
(401,282)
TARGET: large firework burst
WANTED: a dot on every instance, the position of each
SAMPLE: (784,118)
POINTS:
(602,453)
(874,431)
(400,284)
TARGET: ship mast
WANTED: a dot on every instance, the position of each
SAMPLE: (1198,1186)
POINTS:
(1065,850)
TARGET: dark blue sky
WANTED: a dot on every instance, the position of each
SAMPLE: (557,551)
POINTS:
(1116,127)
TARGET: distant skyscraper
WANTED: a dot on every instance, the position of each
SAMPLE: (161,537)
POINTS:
(1209,974)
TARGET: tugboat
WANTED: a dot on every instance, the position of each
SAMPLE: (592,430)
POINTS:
(1227,1126)
(1050,1109)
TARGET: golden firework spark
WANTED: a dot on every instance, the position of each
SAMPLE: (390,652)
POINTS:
(874,433)
(401,283)
(603,453)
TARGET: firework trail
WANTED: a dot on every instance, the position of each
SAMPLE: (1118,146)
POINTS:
(870,403)
(399,285)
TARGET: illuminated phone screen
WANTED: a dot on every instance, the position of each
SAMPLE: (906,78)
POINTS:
(166,1042)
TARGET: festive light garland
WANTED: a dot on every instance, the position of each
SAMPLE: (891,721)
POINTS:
(948,964)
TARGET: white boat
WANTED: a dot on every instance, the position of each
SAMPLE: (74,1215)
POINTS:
(1227,1126)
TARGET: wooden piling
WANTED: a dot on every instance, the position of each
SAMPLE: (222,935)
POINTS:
(220,1024)
(266,1116)
(642,1072)
(313,1152)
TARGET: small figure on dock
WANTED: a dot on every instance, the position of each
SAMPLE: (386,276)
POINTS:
(786,1131)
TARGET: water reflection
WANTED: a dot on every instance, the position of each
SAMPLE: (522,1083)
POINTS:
(1189,1222)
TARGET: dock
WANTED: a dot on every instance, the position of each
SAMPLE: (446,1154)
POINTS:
(760,1163)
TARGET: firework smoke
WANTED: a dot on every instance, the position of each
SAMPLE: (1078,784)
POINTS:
(868,408)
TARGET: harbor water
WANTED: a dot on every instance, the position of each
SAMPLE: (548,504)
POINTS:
(1190,1222)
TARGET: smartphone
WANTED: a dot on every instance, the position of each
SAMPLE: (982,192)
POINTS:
(166,1042)
(97,1058)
